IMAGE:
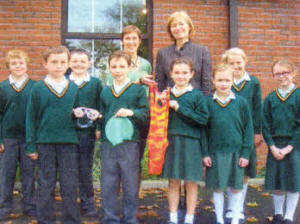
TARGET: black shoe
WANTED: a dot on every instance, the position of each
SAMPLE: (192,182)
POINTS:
(277,219)
(31,213)
(287,221)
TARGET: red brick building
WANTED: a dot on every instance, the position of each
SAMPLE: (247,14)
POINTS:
(266,30)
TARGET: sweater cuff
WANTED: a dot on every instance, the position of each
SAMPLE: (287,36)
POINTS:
(31,148)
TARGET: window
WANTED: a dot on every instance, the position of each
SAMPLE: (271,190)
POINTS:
(95,25)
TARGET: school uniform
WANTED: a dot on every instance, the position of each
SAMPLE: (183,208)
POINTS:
(13,101)
(249,88)
(183,158)
(230,137)
(120,163)
(89,90)
(281,127)
(50,131)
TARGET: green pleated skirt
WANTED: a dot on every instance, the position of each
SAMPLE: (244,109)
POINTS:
(183,159)
(283,174)
(251,170)
(224,172)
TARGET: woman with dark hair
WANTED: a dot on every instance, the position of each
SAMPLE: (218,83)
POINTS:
(180,29)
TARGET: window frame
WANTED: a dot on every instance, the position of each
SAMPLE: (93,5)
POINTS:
(97,36)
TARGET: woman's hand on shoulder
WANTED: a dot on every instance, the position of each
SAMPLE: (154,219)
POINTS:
(207,161)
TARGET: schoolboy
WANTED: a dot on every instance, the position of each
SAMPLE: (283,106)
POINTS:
(14,93)
(123,102)
(89,89)
(51,137)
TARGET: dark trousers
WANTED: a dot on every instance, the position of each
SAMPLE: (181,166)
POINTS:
(14,153)
(53,158)
(119,166)
(86,155)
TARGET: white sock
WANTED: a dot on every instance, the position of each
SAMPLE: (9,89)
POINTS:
(173,217)
(229,193)
(291,205)
(236,203)
(218,198)
(245,188)
(278,200)
(189,218)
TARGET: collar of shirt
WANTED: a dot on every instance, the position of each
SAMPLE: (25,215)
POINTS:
(18,84)
(284,93)
(184,46)
(57,86)
(246,77)
(177,92)
(118,88)
(230,97)
(79,81)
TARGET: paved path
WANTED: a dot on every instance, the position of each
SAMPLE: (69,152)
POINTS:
(154,208)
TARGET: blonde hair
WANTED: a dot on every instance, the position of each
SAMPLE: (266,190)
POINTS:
(222,68)
(180,15)
(233,51)
(55,50)
(285,63)
(12,54)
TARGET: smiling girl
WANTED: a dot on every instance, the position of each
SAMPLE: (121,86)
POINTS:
(230,140)
(281,131)
(188,114)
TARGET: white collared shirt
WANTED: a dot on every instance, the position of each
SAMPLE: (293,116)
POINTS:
(118,88)
(246,77)
(78,81)
(57,86)
(177,92)
(230,97)
(17,84)
(284,93)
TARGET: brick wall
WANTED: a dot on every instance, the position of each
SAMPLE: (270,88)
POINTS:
(268,30)
(29,25)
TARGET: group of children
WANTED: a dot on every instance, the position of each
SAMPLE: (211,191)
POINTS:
(53,123)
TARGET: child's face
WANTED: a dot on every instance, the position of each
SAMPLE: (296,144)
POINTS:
(238,64)
(57,65)
(119,68)
(180,29)
(181,75)
(284,76)
(131,42)
(223,82)
(17,67)
(79,63)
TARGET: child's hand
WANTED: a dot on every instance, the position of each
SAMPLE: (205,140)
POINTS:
(92,114)
(97,135)
(243,162)
(1,148)
(207,161)
(174,104)
(276,153)
(124,113)
(258,140)
(78,112)
(286,150)
(162,96)
(33,156)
